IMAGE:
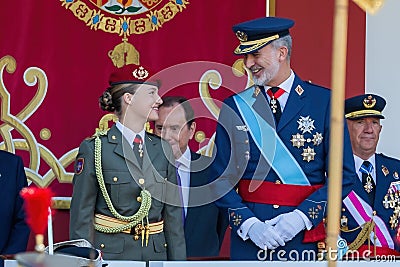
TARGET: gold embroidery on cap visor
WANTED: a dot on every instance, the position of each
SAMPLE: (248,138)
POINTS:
(360,113)
(253,45)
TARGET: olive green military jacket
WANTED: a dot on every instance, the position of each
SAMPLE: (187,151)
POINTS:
(124,180)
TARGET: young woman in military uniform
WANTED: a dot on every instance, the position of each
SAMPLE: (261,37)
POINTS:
(125,199)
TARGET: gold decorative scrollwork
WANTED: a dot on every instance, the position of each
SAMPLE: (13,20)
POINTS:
(370,6)
(239,70)
(213,79)
(32,76)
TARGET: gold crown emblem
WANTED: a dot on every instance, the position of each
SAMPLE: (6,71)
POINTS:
(140,73)
(369,102)
(242,36)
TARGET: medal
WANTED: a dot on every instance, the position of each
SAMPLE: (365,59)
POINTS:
(368,185)
(391,201)
(273,105)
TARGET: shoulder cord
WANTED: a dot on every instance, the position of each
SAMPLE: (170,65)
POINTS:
(368,227)
(145,195)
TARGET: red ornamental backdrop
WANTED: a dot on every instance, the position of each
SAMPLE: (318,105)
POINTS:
(56,56)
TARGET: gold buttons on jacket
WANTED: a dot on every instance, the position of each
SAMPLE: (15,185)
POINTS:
(246,141)
(141,181)
(113,137)
(139,199)
(165,245)
(102,245)
(115,179)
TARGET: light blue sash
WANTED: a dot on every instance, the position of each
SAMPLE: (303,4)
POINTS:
(268,142)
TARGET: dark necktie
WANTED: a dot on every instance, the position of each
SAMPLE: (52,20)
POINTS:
(179,181)
(274,93)
(138,148)
(367,180)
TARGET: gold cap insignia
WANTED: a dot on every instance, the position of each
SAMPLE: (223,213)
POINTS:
(369,102)
(242,36)
(140,73)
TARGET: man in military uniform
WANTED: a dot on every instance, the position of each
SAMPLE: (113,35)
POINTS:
(271,144)
(370,212)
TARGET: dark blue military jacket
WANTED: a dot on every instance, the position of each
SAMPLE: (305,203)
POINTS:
(387,183)
(304,129)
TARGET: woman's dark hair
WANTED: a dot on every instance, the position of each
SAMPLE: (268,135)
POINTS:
(111,99)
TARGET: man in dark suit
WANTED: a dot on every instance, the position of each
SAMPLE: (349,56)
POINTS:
(272,151)
(14,232)
(204,223)
(375,197)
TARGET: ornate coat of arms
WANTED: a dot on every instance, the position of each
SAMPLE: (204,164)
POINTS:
(125,17)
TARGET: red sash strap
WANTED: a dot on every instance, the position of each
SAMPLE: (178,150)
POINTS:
(381,251)
(281,194)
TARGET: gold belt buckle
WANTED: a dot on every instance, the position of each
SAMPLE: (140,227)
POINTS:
(138,231)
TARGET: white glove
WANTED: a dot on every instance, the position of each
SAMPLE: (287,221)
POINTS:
(287,225)
(264,236)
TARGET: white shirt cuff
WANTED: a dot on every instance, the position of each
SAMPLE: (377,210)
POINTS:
(307,221)
(244,228)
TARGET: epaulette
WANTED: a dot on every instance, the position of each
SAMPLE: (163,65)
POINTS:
(152,136)
(253,87)
(316,85)
(90,138)
(387,157)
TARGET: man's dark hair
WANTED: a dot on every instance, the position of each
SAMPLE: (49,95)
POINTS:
(169,101)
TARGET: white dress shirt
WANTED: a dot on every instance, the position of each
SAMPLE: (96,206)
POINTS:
(286,86)
(128,133)
(183,164)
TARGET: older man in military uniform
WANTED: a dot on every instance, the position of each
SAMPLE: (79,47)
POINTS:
(371,211)
(271,144)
